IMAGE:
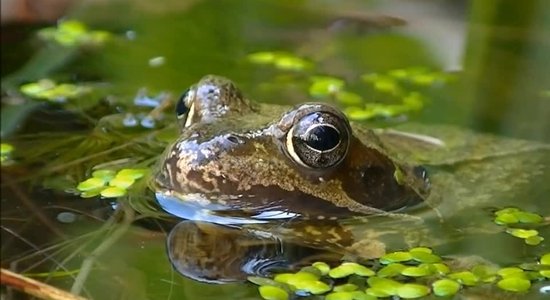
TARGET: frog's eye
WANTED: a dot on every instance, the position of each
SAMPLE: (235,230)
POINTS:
(319,139)
(184,107)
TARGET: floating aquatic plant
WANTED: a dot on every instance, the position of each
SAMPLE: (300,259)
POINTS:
(403,274)
(5,152)
(108,183)
(72,33)
(512,216)
(49,90)
(280,60)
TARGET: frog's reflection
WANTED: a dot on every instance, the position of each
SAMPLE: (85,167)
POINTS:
(215,253)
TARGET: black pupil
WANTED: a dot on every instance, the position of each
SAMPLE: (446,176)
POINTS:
(181,108)
(323,138)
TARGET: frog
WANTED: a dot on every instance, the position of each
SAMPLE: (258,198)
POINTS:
(307,175)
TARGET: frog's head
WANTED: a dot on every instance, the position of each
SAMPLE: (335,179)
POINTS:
(240,159)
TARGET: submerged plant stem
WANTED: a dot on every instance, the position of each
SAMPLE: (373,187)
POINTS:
(88,263)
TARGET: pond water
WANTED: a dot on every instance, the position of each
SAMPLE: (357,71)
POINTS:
(481,66)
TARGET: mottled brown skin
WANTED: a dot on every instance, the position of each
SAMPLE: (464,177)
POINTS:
(233,155)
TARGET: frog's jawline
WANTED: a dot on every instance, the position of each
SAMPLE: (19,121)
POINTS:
(258,208)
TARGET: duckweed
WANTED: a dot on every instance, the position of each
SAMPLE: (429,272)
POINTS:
(399,256)
(113,192)
(514,284)
(108,183)
(464,277)
(424,257)
(270,292)
(382,287)
(512,272)
(512,215)
(315,287)
(355,295)
(534,240)
(349,98)
(5,151)
(391,270)
(323,267)
(322,86)
(412,290)
(339,296)
(49,90)
(280,60)
(71,33)
(418,271)
(522,233)
(347,287)
(485,273)
(445,287)
(348,268)
(318,278)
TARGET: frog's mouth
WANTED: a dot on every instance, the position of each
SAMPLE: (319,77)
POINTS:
(267,204)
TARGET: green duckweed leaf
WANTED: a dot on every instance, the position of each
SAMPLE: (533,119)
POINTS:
(382,287)
(485,273)
(263,281)
(123,182)
(359,114)
(412,290)
(511,272)
(545,273)
(349,98)
(441,269)
(339,295)
(105,175)
(399,256)
(113,192)
(445,287)
(534,240)
(505,219)
(425,257)
(74,33)
(269,292)
(323,267)
(545,259)
(378,292)
(417,271)
(132,173)
(391,270)
(314,287)
(346,287)
(522,233)
(508,210)
(514,284)
(421,249)
(264,57)
(6,149)
(359,269)
(360,295)
(294,279)
(527,217)
(465,278)
(414,101)
(322,86)
(313,270)
(341,271)
(91,193)
(90,184)
(291,63)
